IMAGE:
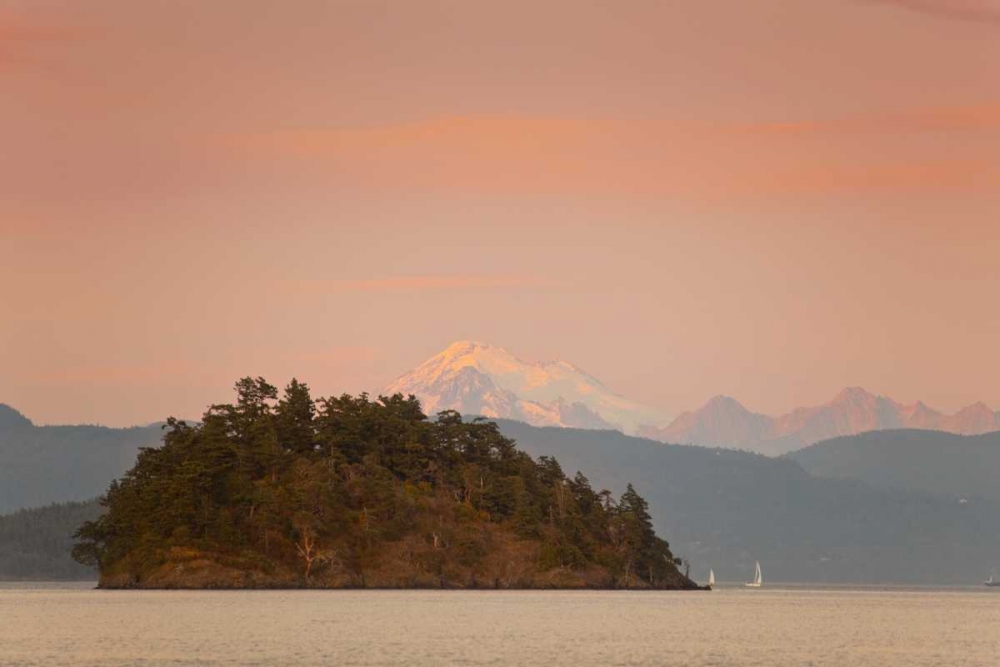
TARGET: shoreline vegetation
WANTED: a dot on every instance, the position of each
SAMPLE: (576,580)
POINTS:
(350,492)
(35,543)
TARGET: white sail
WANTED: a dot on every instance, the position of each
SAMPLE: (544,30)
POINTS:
(711,577)
(758,578)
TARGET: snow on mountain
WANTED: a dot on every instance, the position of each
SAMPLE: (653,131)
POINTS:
(724,422)
(482,379)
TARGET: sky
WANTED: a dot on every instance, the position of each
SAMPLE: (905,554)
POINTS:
(765,199)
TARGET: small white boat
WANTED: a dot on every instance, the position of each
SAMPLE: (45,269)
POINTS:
(711,578)
(758,578)
(991,582)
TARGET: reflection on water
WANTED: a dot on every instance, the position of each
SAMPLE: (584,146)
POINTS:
(72,625)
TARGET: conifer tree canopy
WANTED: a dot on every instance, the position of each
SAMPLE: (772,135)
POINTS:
(351,491)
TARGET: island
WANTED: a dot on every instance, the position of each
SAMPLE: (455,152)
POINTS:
(355,492)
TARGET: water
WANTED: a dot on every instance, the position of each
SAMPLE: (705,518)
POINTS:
(72,626)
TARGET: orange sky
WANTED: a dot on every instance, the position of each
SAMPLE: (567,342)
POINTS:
(764,198)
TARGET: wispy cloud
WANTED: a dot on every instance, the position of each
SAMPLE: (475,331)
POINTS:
(548,154)
(404,284)
(112,374)
(336,356)
(21,35)
(960,118)
(977,11)
(493,135)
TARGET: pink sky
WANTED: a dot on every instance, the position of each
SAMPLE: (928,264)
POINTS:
(766,199)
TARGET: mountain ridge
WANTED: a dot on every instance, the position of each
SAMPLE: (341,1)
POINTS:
(46,464)
(12,418)
(935,462)
(477,378)
(852,411)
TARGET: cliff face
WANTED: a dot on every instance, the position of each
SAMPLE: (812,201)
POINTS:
(362,493)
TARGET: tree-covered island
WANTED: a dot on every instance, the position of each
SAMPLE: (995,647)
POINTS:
(353,492)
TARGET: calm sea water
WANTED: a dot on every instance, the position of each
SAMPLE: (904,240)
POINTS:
(54,625)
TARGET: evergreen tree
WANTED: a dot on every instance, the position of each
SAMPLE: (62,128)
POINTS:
(348,488)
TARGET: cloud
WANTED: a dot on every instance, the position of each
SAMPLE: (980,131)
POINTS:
(21,35)
(336,356)
(962,118)
(406,284)
(679,159)
(498,135)
(976,11)
(176,371)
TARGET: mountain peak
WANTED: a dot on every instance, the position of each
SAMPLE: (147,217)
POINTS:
(722,402)
(722,421)
(461,347)
(977,407)
(853,394)
(481,378)
(974,419)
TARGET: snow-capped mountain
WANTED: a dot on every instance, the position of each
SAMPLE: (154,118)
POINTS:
(724,422)
(482,379)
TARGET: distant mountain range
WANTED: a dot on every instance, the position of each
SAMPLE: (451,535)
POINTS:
(481,379)
(724,422)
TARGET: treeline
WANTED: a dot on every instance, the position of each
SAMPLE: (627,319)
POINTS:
(35,543)
(350,491)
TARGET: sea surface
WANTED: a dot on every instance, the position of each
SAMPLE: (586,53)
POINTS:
(53,625)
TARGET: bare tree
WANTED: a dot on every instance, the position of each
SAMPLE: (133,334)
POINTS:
(306,547)
(306,544)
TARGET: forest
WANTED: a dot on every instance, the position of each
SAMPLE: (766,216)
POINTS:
(350,491)
(35,543)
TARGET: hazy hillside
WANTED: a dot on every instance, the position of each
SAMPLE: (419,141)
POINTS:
(35,544)
(724,509)
(929,461)
(45,464)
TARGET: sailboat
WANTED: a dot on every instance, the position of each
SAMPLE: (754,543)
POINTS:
(991,581)
(711,578)
(758,578)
